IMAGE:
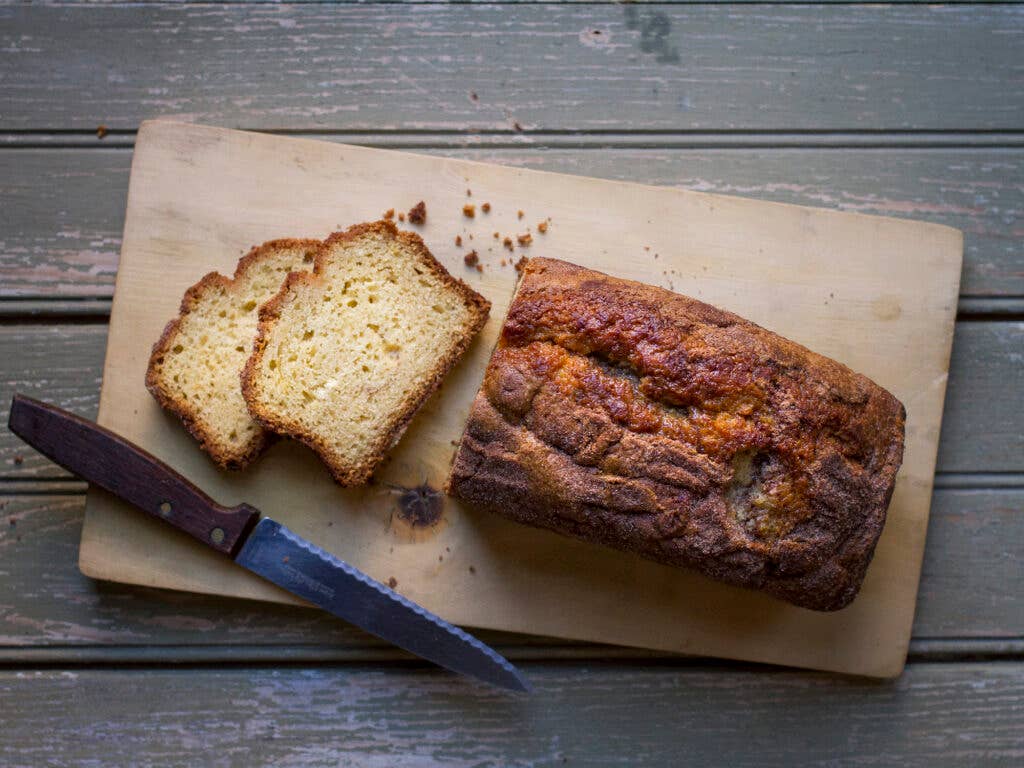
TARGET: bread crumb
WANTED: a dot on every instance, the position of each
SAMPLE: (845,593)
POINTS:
(542,227)
(516,125)
(503,262)
(458,240)
(524,240)
(496,236)
(486,207)
(521,264)
(647,247)
(392,582)
(520,214)
(469,211)
(479,267)
(469,193)
(389,214)
(473,96)
(101,131)
(507,242)
(471,259)
(472,569)
(401,217)
(418,213)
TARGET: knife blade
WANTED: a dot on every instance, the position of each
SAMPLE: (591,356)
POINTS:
(262,546)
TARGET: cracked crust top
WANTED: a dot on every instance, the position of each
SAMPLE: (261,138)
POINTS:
(628,415)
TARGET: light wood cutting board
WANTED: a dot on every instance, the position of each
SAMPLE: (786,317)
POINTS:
(877,294)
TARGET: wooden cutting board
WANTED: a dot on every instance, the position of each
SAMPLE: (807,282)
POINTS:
(877,294)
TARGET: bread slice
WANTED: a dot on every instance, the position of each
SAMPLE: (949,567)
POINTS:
(346,354)
(194,368)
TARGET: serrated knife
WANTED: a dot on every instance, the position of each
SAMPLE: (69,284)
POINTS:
(256,543)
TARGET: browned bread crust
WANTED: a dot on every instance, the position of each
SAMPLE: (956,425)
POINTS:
(223,454)
(625,414)
(344,474)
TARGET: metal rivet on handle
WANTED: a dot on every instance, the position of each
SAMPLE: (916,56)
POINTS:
(165,509)
(217,535)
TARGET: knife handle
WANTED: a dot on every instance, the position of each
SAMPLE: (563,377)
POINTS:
(111,462)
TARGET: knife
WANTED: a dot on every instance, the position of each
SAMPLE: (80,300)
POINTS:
(256,543)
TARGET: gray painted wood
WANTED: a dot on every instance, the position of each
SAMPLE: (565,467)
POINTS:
(593,715)
(672,67)
(970,588)
(983,427)
(67,206)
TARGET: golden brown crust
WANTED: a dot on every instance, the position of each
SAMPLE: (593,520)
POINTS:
(270,312)
(222,455)
(628,415)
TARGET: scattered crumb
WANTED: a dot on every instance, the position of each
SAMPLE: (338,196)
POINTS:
(507,242)
(392,582)
(469,211)
(14,522)
(486,207)
(503,262)
(330,523)
(458,240)
(647,247)
(389,214)
(496,236)
(440,558)
(469,193)
(101,131)
(516,126)
(471,236)
(472,259)
(480,268)
(19,459)
(418,213)
(401,217)
(521,264)
(524,240)
(472,569)
(473,96)
(542,227)
(520,214)
(454,442)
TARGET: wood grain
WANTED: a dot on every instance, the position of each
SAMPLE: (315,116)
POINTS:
(592,67)
(63,364)
(600,715)
(64,236)
(969,589)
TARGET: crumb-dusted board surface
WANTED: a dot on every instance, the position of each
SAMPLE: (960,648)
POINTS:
(877,294)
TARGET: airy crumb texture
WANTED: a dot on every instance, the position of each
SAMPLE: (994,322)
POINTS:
(624,414)
(194,367)
(344,356)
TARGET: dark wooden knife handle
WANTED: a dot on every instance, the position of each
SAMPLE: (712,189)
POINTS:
(111,462)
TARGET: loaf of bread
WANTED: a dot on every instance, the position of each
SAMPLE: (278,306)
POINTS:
(194,368)
(628,415)
(346,354)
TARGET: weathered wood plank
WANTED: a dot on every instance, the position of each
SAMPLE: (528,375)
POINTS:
(436,67)
(66,207)
(935,715)
(983,422)
(970,588)
(63,364)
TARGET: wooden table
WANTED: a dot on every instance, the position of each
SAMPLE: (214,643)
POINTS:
(908,110)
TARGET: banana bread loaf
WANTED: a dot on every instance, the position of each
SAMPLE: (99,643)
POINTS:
(628,415)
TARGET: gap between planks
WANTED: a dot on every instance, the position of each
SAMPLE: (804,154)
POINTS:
(46,138)
(922,650)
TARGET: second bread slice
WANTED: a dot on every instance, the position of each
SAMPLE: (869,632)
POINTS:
(344,356)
